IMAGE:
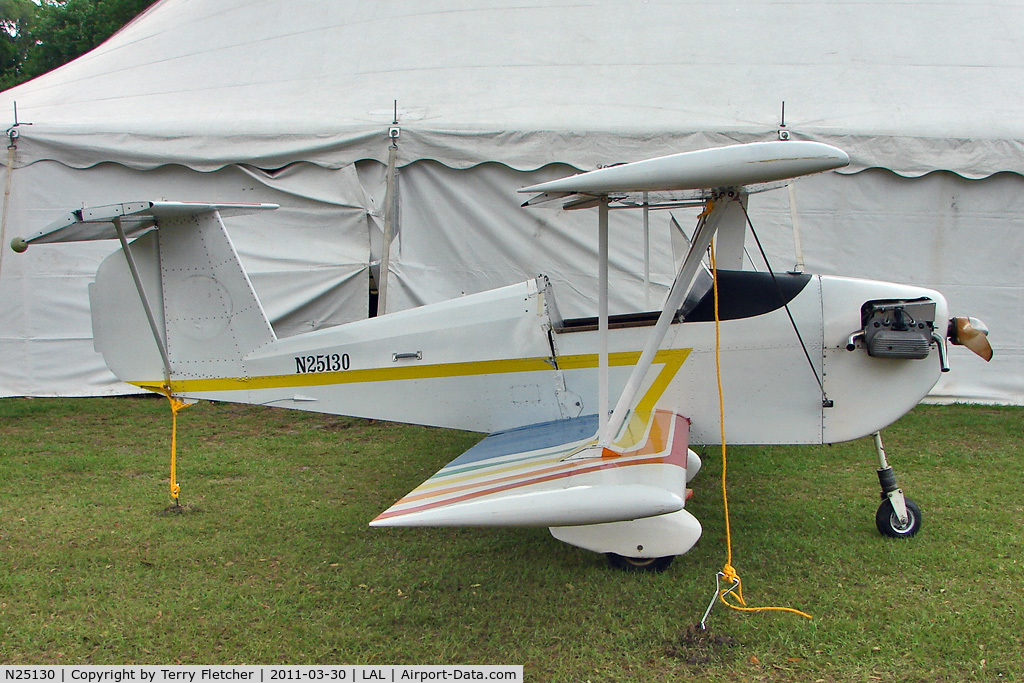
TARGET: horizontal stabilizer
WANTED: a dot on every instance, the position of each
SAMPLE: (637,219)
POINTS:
(731,166)
(554,474)
(136,218)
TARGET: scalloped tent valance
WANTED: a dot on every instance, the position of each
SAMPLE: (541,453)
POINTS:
(911,87)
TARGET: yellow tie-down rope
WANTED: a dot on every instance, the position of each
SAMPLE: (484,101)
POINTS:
(729,575)
(177,405)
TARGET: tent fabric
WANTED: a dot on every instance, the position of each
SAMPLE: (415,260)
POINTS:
(291,101)
(584,149)
(464,231)
(908,86)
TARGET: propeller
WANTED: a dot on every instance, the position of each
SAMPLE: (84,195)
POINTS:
(972,333)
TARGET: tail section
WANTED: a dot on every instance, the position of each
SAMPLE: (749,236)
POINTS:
(175,303)
(212,317)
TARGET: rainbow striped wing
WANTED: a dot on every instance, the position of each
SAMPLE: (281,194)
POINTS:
(554,474)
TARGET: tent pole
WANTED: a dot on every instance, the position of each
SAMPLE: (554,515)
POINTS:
(11,149)
(389,231)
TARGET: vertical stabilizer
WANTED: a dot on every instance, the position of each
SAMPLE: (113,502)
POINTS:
(212,317)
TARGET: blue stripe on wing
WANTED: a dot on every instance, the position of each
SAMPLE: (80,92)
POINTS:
(529,438)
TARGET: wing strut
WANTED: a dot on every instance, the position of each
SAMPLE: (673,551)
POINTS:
(602,315)
(706,228)
(157,337)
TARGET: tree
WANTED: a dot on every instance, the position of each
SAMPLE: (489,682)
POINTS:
(16,18)
(41,38)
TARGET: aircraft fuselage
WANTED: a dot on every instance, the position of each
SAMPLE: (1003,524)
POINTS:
(502,359)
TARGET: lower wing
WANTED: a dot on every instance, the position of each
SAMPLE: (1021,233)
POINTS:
(555,474)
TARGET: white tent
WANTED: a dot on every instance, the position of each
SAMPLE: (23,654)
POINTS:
(292,102)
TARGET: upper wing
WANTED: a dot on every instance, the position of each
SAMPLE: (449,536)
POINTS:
(706,169)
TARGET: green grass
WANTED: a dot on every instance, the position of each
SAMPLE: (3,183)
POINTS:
(271,560)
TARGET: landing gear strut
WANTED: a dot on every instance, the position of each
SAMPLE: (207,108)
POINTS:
(897,516)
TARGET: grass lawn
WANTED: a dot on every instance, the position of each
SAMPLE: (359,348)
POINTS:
(270,559)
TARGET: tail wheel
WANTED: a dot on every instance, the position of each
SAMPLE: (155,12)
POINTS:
(639,564)
(889,524)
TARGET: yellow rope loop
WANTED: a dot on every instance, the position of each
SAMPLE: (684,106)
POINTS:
(177,405)
(707,209)
(729,573)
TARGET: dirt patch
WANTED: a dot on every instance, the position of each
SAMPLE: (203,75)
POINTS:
(172,510)
(695,645)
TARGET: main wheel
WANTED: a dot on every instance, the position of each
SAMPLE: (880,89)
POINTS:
(888,522)
(639,564)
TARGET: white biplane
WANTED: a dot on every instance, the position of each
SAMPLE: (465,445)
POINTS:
(804,359)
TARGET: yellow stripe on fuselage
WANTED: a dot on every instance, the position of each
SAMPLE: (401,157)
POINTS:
(640,420)
(672,358)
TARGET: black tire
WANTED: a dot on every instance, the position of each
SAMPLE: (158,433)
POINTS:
(639,564)
(889,524)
